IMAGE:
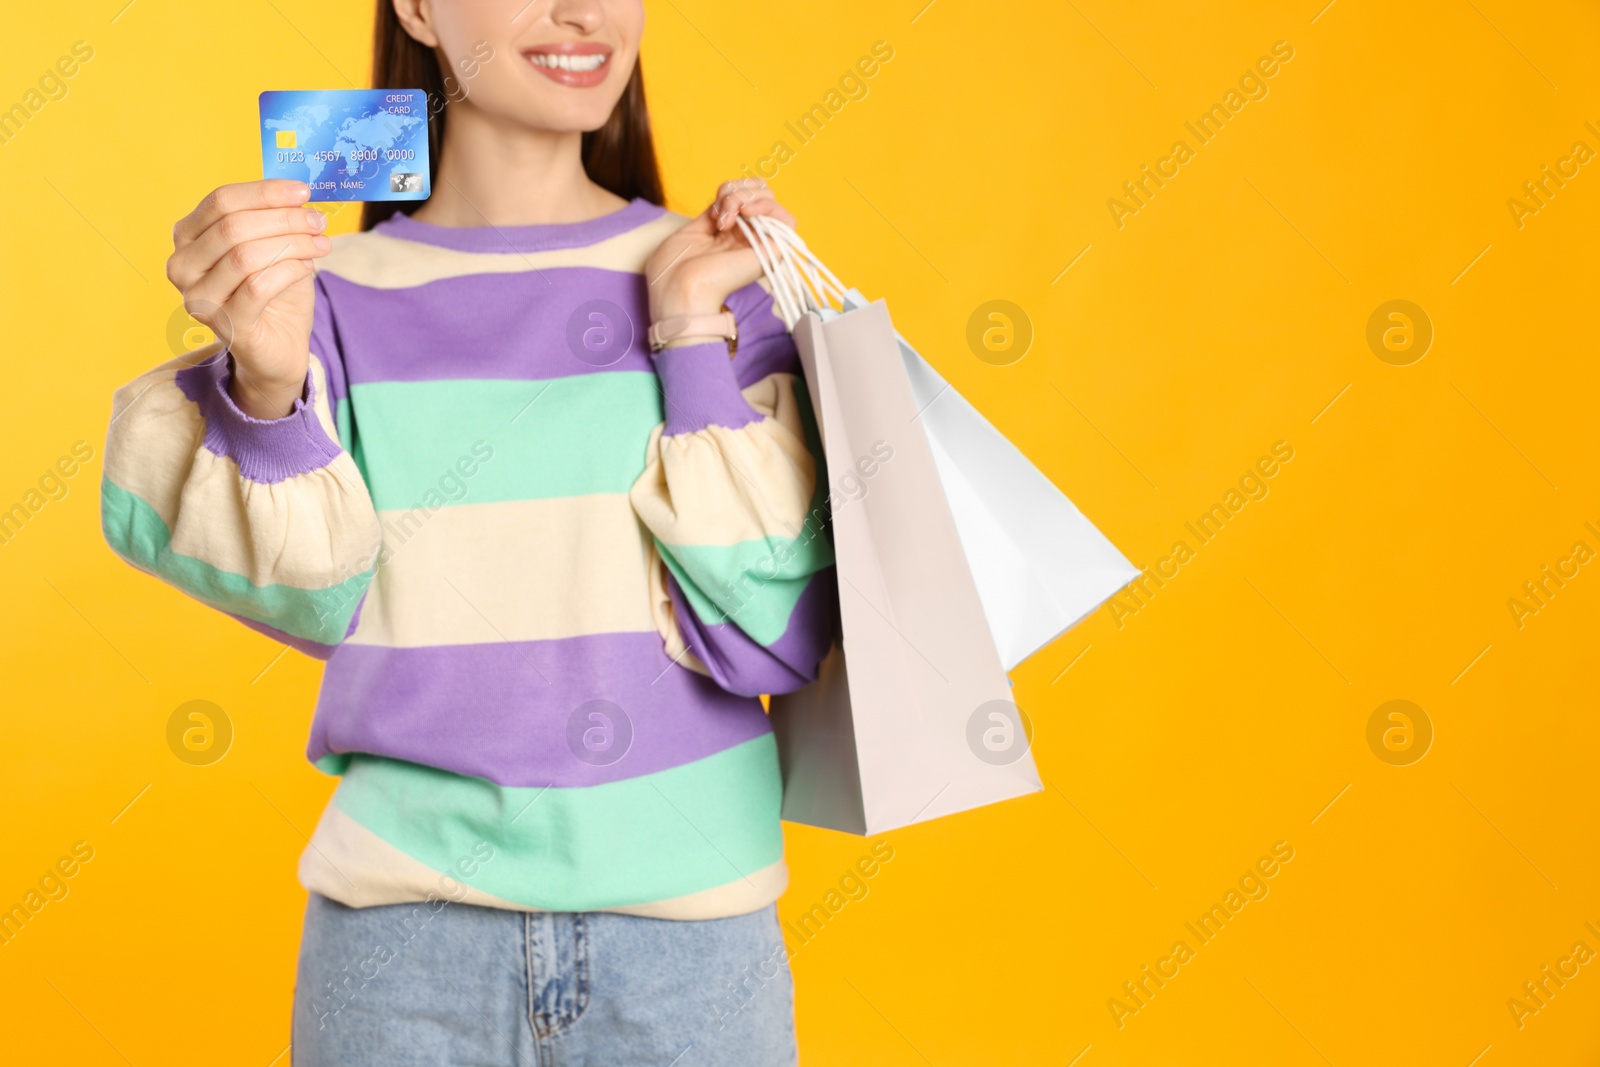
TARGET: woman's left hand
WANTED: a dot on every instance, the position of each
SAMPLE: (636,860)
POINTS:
(708,258)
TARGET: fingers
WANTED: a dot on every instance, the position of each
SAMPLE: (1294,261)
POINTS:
(193,259)
(243,196)
(733,197)
(257,291)
(767,206)
(240,262)
(747,197)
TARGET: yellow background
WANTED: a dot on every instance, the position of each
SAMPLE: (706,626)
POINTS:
(1225,716)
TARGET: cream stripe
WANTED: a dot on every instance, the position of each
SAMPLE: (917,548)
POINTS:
(154,435)
(155,429)
(310,531)
(736,485)
(379,261)
(349,863)
(666,618)
(520,570)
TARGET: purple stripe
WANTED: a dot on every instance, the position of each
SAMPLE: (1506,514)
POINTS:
(765,346)
(522,238)
(267,450)
(314,649)
(325,340)
(699,389)
(701,385)
(523,326)
(502,711)
(740,664)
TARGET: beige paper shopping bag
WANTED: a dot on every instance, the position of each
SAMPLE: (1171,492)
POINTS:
(912,717)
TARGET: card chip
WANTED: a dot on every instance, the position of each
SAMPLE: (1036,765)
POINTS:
(286,139)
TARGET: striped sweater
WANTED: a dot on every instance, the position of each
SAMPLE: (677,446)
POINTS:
(550,573)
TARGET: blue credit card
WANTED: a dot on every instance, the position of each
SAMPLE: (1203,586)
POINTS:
(348,144)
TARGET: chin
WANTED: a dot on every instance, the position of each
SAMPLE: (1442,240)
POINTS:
(571,119)
(558,108)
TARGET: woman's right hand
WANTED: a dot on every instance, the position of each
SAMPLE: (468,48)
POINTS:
(243,261)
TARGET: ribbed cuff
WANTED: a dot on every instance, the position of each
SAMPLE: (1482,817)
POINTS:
(700,389)
(266,450)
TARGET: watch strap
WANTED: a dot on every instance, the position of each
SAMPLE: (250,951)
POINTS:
(721,326)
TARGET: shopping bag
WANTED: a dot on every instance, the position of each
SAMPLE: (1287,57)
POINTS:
(911,717)
(1041,567)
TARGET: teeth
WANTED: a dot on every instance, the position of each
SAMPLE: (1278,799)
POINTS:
(563,61)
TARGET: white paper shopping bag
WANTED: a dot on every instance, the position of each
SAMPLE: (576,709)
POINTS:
(1040,565)
(912,717)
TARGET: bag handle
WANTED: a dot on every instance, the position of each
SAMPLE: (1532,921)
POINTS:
(787,295)
(790,290)
(800,281)
(821,280)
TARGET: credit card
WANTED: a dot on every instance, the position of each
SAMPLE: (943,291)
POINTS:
(348,144)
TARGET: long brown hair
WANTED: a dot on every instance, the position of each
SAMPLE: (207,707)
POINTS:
(620,156)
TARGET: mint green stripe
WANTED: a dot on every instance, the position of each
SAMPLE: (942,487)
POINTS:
(137,533)
(755,583)
(746,582)
(571,437)
(649,838)
(341,425)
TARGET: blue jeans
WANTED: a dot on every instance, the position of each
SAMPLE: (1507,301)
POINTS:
(438,983)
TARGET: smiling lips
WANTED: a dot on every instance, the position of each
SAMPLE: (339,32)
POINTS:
(577,65)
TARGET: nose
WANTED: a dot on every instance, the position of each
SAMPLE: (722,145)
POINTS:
(583,16)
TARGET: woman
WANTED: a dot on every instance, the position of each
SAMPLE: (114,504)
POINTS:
(551,567)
